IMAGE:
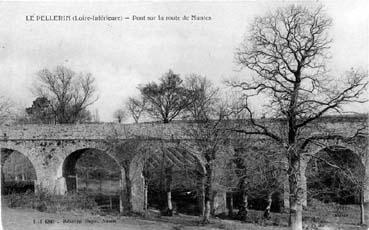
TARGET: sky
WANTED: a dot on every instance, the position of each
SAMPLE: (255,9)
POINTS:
(123,54)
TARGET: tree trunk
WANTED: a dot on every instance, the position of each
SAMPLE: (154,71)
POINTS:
(168,179)
(162,192)
(366,212)
(269,206)
(146,189)
(362,210)
(246,203)
(23,176)
(242,212)
(212,203)
(121,192)
(296,216)
(202,198)
(170,206)
(121,197)
(286,195)
(208,193)
(127,192)
(207,212)
(295,191)
(230,205)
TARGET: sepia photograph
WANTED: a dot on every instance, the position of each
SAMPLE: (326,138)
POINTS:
(184,115)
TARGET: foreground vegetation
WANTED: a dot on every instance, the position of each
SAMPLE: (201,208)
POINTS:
(45,202)
(43,205)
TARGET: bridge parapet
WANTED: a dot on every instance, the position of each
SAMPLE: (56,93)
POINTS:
(88,131)
(347,125)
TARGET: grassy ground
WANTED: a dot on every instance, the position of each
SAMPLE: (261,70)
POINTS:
(19,219)
(26,218)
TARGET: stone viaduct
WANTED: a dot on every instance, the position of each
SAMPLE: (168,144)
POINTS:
(54,149)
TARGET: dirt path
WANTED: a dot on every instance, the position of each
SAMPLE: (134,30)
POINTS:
(20,219)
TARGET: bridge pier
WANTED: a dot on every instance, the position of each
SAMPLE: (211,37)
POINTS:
(303,185)
(60,186)
(220,202)
(366,213)
(138,186)
(49,185)
(366,190)
(286,194)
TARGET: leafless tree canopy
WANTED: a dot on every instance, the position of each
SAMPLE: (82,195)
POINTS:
(136,107)
(206,96)
(70,93)
(5,109)
(120,115)
(286,51)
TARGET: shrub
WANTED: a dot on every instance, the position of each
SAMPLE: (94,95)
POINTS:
(46,202)
(318,211)
(9,187)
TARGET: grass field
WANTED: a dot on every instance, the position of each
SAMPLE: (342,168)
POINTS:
(19,219)
(320,216)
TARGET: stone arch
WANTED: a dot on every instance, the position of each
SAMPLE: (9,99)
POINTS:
(67,168)
(143,152)
(25,152)
(69,148)
(6,153)
(357,145)
(346,149)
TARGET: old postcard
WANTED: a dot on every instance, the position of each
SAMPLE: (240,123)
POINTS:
(184,115)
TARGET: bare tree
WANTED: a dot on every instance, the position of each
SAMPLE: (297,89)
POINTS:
(11,112)
(168,99)
(95,117)
(120,115)
(286,50)
(136,107)
(5,109)
(69,94)
(211,140)
(129,147)
(259,174)
(205,97)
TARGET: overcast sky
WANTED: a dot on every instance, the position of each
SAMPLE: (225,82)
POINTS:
(123,54)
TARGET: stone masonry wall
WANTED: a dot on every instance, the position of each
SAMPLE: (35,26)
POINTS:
(176,130)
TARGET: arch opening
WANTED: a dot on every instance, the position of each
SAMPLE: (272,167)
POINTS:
(18,174)
(176,171)
(96,174)
(335,179)
(257,181)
